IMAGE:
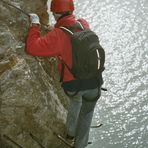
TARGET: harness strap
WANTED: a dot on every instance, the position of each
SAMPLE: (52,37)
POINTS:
(71,94)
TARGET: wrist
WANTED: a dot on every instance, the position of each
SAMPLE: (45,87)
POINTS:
(35,25)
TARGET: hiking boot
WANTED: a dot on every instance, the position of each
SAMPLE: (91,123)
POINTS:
(70,139)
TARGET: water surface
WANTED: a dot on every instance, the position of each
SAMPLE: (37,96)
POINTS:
(123,30)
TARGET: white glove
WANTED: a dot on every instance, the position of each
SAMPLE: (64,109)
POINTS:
(34,18)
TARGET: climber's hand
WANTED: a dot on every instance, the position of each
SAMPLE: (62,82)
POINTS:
(34,19)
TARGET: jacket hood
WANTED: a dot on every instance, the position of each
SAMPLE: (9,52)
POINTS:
(68,20)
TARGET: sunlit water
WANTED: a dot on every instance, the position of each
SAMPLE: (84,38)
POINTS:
(122,26)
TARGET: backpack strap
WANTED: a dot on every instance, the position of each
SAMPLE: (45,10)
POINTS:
(80,24)
(72,29)
(67,30)
(62,70)
(63,67)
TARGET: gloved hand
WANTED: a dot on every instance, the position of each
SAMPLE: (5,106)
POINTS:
(34,19)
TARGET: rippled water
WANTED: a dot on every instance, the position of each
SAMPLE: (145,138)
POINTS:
(122,26)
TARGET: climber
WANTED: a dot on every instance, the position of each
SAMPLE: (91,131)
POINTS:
(57,43)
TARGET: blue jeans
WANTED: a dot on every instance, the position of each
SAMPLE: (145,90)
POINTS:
(80,115)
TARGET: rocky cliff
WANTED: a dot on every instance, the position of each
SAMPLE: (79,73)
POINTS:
(32,105)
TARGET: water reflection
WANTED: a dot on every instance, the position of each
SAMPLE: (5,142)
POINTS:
(123,30)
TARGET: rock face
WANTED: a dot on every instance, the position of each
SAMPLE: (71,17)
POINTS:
(32,105)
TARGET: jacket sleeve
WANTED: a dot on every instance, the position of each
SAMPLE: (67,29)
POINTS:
(48,45)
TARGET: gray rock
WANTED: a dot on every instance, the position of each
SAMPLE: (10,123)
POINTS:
(31,101)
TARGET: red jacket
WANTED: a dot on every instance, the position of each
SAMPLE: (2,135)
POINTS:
(54,43)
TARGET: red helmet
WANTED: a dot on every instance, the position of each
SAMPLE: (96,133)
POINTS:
(61,6)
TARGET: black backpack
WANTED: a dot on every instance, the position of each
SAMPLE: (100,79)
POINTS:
(88,57)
